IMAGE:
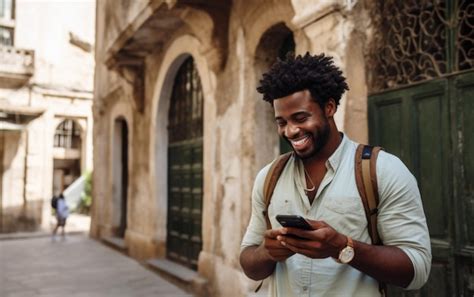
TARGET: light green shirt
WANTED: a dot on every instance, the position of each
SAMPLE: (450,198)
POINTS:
(401,223)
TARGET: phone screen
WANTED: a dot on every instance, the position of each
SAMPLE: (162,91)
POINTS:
(294,221)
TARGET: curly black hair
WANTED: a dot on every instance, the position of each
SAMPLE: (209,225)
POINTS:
(317,73)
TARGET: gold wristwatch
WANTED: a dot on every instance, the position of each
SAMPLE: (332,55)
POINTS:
(346,254)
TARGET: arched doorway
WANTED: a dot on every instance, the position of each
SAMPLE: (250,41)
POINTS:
(185,151)
(66,155)
(275,43)
(120,176)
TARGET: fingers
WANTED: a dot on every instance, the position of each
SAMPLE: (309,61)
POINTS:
(297,244)
(295,249)
(273,233)
(312,249)
(320,234)
(282,243)
(276,250)
(318,243)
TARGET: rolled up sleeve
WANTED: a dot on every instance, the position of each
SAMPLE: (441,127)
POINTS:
(401,219)
(257,225)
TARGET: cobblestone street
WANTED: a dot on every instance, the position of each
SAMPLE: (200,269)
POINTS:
(76,267)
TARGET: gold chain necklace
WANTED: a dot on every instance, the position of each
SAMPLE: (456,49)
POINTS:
(313,187)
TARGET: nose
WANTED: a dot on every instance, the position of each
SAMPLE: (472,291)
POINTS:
(291,131)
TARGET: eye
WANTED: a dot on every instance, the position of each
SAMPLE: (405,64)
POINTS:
(280,123)
(301,118)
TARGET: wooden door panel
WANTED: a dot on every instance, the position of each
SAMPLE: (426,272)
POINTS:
(464,156)
(386,123)
(390,121)
(430,152)
(440,280)
(465,269)
(413,123)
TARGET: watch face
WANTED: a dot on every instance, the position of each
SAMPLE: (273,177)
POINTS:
(346,254)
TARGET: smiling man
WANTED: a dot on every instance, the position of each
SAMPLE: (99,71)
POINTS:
(318,183)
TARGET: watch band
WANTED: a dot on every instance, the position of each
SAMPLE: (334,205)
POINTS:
(350,242)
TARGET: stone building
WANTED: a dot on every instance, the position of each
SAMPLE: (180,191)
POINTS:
(46,83)
(180,131)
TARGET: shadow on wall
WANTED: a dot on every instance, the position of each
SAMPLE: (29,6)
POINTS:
(25,215)
(22,218)
(8,152)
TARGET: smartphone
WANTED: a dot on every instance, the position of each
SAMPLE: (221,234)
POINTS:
(294,221)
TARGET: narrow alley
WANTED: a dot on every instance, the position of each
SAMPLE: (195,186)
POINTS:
(75,267)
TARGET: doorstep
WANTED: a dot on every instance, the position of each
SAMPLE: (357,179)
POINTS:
(180,275)
(117,243)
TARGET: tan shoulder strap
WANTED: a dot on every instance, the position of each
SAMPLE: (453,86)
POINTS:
(269,185)
(366,180)
(271,180)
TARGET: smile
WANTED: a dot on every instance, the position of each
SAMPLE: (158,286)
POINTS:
(299,143)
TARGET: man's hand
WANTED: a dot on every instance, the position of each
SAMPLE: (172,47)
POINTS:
(322,242)
(258,262)
(387,264)
(276,251)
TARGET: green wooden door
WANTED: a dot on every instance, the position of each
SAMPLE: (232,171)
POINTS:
(462,133)
(422,78)
(429,126)
(184,239)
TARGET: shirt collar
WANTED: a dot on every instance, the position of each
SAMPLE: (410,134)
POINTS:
(335,159)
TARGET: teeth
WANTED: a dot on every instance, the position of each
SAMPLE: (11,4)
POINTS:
(299,142)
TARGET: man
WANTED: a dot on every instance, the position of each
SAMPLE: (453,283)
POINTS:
(318,183)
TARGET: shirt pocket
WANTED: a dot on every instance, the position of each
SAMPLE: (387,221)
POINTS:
(345,214)
(281,206)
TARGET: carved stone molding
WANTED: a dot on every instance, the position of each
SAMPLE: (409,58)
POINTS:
(155,25)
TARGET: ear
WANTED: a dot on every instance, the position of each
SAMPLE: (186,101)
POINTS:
(330,108)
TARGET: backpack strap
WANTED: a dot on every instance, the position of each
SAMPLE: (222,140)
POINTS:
(269,185)
(366,180)
(271,180)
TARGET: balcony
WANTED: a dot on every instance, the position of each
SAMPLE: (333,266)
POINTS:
(16,66)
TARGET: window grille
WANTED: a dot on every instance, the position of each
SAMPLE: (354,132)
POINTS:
(418,40)
(185,117)
(7,24)
(68,135)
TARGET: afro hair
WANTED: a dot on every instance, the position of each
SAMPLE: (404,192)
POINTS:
(317,73)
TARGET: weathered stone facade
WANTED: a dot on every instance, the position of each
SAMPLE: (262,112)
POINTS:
(46,77)
(141,45)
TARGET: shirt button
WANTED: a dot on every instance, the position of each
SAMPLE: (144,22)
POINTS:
(305,288)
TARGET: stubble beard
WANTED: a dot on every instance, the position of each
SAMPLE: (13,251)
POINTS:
(319,138)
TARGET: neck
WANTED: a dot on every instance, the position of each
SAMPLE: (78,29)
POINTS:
(331,146)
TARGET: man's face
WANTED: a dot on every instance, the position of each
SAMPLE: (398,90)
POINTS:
(302,122)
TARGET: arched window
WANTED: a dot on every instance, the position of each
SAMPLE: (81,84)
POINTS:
(68,135)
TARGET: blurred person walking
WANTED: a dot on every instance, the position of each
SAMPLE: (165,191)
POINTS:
(62,212)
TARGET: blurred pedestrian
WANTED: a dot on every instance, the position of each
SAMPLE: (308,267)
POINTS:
(62,212)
